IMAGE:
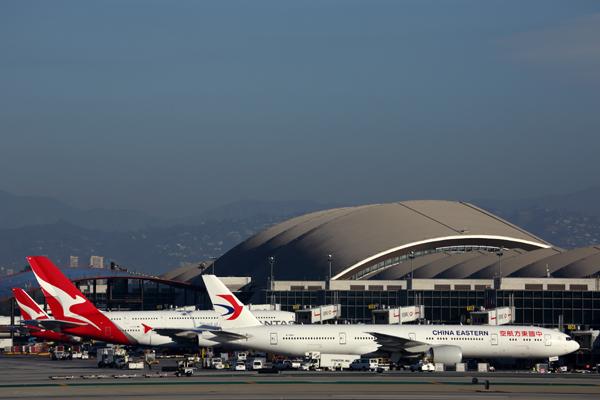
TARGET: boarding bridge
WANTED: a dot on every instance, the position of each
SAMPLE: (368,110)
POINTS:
(318,314)
(588,340)
(493,316)
(399,315)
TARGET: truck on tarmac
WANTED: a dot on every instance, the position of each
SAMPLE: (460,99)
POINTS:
(365,364)
(328,362)
(60,353)
(112,357)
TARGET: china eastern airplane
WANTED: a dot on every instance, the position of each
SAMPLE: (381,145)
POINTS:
(31,311)
(446,344)
(74,314)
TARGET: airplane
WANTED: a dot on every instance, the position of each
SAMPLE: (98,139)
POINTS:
(447,344)
(31,311)
(74,314)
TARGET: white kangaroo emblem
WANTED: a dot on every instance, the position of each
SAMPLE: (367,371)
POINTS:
(65,300)
(30,312)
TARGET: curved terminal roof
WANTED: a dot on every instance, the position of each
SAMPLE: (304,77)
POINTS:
(550,262)
(361,238)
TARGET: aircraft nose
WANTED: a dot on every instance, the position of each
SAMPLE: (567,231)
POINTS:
(574,345)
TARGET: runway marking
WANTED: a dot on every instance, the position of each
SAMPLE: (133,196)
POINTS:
(287,382)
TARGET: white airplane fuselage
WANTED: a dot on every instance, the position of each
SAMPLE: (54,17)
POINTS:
(474,340)
(139,325)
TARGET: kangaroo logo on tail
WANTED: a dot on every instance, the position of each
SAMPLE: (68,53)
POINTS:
(65,297)
(66,301)
(29,309)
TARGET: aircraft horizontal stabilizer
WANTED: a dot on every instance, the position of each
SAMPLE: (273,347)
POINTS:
(52,324)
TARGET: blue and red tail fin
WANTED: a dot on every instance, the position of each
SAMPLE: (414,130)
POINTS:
(233,313)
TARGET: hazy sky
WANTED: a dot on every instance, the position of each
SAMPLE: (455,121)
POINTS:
(172,107)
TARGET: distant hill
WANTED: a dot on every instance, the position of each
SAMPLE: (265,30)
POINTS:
(568,220)
(152,249)
(21,211)
(585,202)
(244,209)
(38,225)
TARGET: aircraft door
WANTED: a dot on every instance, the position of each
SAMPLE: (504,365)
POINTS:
(412,336)
(342,337)
(494,339)
(108,331)
(548,340)
(273,338)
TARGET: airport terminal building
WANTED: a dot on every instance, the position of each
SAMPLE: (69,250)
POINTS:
(453,258)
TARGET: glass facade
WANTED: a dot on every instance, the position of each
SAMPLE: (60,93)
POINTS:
(132,294)
(543,308)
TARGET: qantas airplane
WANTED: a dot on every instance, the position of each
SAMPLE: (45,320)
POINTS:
(447,344)
(31,311)
(74,314)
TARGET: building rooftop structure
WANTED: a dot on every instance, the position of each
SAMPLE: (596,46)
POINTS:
(367,240)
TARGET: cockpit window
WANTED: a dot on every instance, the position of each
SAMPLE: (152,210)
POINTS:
(568,338)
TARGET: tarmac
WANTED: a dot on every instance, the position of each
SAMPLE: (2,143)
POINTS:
(24,377)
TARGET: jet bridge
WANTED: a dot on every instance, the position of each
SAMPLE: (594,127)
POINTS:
(493,316)
(398,315)
(318,314)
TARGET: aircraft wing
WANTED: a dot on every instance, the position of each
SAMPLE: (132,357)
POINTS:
(52,324)
(225,336)
(177,334)
(399,344)
(187,334)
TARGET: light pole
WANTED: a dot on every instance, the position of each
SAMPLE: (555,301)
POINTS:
(271,262)
(329,258)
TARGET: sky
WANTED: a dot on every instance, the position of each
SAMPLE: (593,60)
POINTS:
(175,107)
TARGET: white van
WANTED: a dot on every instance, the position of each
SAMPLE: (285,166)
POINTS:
(239,366)
(257,363)
(365,364)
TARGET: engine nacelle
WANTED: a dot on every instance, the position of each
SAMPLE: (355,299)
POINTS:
(447,355)
(75,339)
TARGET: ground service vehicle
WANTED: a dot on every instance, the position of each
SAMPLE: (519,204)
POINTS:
(337,362)
(423,366)
(184,368)
(239,366)
(60,353)
(365,364)
(256,363)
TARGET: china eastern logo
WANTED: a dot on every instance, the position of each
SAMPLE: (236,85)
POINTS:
(233,309)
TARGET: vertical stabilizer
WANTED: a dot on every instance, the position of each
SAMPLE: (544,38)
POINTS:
(233,313)
(30,310)
(69,304)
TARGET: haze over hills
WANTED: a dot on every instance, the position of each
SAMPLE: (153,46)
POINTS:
(41,225)
(20,211)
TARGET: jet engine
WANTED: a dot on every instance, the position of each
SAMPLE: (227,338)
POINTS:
(445,354)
